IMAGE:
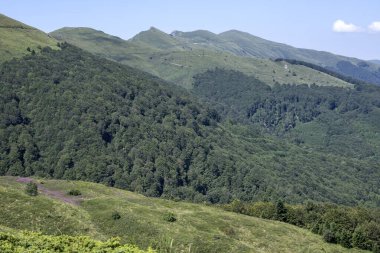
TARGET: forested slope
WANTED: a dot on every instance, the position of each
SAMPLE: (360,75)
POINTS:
(330,119)
(68,114)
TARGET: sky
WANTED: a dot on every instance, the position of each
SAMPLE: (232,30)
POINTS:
(346,27)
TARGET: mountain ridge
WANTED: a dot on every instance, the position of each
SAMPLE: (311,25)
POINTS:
(251,45)
(178,60)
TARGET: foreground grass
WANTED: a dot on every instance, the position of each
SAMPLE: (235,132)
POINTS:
(36,242)
(198,228)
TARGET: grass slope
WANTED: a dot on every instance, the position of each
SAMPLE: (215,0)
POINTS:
(245,44)
(16,37)
(177,60)
(199,228)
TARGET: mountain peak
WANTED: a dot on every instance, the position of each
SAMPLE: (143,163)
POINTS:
(156,38)
(197,36)
(234,32)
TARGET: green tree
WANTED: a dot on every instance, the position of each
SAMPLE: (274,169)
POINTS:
(281,211)
(31,189)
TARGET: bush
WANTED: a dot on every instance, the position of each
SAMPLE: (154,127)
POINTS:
(169,217)
(74,192)
(31,189)
(329,236)
(281,211)
(116,215)
(36,242)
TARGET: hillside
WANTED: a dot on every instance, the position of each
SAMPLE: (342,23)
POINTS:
(141,221)
(328,119)
(217,49)
(178,61)
(17,37)
(244,44)
(249,135)
(68,114)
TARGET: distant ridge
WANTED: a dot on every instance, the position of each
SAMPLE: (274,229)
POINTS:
(179,56)
(240,44)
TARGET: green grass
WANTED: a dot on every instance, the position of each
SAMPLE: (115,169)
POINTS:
(178,61)
(198,228)
(21,242)
(181,66)
(17,37)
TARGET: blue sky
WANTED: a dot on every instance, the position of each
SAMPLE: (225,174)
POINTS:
(306,24)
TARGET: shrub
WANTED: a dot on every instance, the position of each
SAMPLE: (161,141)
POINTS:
(31,189)
(116,215)
(329,236)
(74,192)
(36,242)
(281,211)
(169,217)
(229,231)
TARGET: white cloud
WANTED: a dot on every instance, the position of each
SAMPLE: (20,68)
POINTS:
(341,26)
(374,26)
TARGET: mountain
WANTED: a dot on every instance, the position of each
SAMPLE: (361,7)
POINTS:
(17,37)
(187,52)
(102,212)
(375,61)
(68,114)
(72,115)
(101,44)
(245,44)
(177,60)
(157,39)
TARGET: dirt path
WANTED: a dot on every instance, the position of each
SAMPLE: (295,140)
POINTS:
(51,193)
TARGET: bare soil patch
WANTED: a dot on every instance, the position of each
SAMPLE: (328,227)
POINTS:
(74,200)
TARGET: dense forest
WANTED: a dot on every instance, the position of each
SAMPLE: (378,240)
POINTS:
(70,115)
(339,120)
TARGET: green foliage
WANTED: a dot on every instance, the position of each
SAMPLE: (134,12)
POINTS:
(31,189)
(343,121)
(36,242)
(367,236)
(116,215)
(281,211)
(74,192)
(170,217)
(329,236)
(86,118)
(348,226)
(199,228)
